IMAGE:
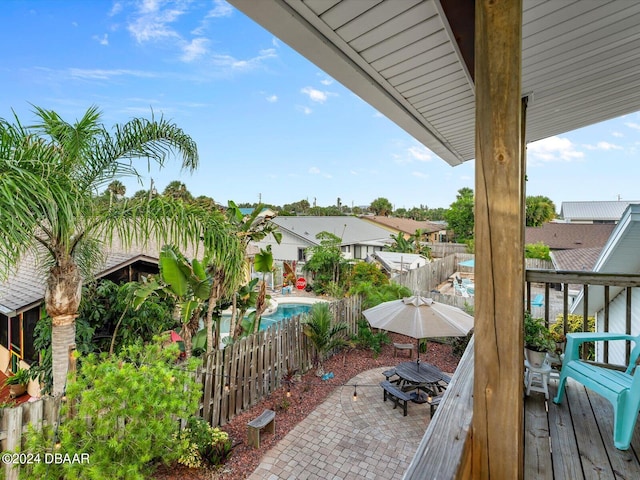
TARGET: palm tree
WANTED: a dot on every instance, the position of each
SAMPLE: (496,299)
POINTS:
(322,333)
(51,172)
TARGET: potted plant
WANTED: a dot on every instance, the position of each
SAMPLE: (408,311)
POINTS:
(18,382)
(537,340)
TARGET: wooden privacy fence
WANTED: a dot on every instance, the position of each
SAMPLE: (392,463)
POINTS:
(241,375)
(428,277)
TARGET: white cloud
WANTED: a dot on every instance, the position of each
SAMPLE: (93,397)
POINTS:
(635,126)
(604,146)
(194,50)
(99,74)
(304,109)
(220,9)
(316,95)
(419,174)
(272,98)
(411,154)
(153,23)
(326,81)
(104,40)
(314,170)
(554,149)
(115,9)
(420,153)
(227,61)
(617,134)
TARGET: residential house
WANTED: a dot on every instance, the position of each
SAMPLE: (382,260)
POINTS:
(593,211)
(574,246)
(431,232)
(566,236)
(358,238)
(22,297)
(621,254)
(477,80)
(395,263)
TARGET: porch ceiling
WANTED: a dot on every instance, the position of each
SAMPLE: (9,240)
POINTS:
(581,61)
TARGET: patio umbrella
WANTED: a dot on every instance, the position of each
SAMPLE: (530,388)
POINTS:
(420,317)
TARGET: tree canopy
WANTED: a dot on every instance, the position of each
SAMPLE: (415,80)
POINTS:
(539,210)
(51,172)
(460,217)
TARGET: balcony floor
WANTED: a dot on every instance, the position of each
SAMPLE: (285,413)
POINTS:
(574,440)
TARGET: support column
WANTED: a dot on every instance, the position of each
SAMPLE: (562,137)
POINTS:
(497,434)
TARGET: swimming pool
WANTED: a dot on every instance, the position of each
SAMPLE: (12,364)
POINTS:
(284,311)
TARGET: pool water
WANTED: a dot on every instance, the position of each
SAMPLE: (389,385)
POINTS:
(284,311)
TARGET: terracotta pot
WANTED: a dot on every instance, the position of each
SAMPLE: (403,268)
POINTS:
(17,390)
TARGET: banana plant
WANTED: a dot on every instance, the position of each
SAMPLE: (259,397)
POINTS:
(263,263)
(186,283)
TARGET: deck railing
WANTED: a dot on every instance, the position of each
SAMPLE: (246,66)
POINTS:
(444,452)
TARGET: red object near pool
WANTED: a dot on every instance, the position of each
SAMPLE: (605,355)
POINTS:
(301,283)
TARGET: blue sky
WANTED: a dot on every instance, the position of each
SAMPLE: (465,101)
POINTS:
(269,124)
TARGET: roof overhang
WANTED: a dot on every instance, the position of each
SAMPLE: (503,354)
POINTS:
(580,61)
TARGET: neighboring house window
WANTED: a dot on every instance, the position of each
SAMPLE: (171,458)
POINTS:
(301,257)
(4,331)
(29,320)
(357,251)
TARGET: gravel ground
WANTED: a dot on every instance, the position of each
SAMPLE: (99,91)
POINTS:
(306,395)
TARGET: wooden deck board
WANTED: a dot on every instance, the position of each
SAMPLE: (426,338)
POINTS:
(623,463)
(537,455)
(593,457)
(563,439)
(581,438)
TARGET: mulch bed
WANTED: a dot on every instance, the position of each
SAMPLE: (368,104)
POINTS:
(306,395)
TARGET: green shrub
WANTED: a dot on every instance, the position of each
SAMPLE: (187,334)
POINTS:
(575,323)
(200,442)
(537,250)
(122,411)
(366,339)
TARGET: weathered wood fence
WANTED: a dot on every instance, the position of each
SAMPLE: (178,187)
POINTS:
(426,279)
(241,375)
(233,379)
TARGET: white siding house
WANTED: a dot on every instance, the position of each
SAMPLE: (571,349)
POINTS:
(359,238)
(621,254)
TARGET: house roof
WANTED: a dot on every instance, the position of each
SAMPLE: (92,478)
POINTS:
(25,287)
(352,230)
(586,211)
(397,262)
(562,236)
(404,225)
(413,61)
(576,259)
(620,255)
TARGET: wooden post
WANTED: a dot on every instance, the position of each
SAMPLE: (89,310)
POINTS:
(497,434)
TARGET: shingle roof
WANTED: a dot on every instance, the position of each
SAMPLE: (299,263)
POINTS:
(599,211)
(576,259)
(25,287)
(404,225)
(351,230)
(562,236)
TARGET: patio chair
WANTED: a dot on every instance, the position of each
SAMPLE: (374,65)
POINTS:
(622,389)
(538,301)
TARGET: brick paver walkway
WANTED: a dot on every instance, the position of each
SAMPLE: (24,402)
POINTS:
(343,439)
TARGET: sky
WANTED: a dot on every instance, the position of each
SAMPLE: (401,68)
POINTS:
(270,126)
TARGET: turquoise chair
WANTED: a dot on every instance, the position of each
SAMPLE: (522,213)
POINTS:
(622,389)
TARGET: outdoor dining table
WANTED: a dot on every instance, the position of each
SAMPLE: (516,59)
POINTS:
(421,376)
